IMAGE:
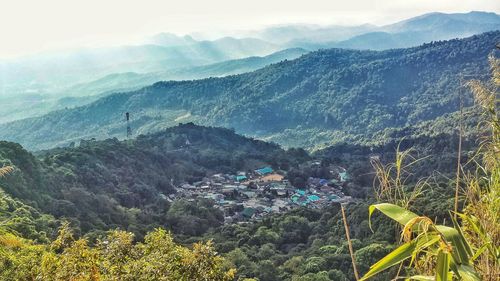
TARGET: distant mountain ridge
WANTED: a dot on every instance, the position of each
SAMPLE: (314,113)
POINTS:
(324,96)
(79,94)
(425,28)
(32,85)
(406,33)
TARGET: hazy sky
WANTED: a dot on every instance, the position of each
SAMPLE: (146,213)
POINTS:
(40,25)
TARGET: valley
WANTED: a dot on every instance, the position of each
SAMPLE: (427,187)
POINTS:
(282,152)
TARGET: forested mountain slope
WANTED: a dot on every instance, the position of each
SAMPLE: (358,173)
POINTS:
(132,80)
(71,95)
(102,185)
(340,94)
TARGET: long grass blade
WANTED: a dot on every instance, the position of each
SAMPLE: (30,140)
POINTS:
(400,254)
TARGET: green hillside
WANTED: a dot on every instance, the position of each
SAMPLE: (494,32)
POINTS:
(324,96)
(101,185)
(72,95)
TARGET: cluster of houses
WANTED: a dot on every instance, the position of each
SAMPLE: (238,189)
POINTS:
(252,195)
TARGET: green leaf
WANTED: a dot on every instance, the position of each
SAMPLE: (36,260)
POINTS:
(394,212)
(456,225)
(467,273)
(480,251)
(425,241)
(403,252)
(460,253)
(442,266)
(475,225)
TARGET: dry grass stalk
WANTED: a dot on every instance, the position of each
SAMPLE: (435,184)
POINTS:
(351,251)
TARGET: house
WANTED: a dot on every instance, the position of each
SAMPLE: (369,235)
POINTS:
(323,182)
(218,178)
(264,171)
(248,212)
(281,192)
(188,186)
(313,198)
(241,178)
(250,194)
(300,192)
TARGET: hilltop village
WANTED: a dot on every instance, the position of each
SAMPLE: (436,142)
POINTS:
(251,195)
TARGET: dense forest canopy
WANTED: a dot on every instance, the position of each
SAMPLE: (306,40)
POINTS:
(291,172)
(324,96)
(103,185)
(100,185)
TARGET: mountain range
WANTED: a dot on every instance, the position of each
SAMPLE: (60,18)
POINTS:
(36,104)
(322,97)
(37,84)
(406,33)
(274,145)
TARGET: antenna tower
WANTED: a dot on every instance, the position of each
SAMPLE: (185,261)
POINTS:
(129,131)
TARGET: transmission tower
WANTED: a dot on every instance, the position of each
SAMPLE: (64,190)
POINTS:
(129,131)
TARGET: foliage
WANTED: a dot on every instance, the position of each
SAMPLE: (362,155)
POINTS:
(470,251)
(480,216)
(392,185)
(334,94)
(101,185)
(116,257)
(302,244)
(433,249)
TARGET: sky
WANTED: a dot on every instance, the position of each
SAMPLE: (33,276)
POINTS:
(34,26)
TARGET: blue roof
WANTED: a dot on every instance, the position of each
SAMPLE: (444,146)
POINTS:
(313,197)
(248,212)
(241,178)
(265,170)
(301,192)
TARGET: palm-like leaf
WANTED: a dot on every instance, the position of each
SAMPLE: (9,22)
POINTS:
(451,250)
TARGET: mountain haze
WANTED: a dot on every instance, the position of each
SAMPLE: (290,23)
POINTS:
(422,29)
(25,106)
(324,96)
(37,84)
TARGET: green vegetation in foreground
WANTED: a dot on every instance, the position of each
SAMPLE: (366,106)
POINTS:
(469,249)
(103,185)
(115,257)
(303,244)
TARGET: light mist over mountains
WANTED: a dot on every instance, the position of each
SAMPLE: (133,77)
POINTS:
(322,97)
(38,84)
(427,27)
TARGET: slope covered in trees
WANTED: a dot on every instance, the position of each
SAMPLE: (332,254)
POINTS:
(72,95)
(323,96)
(116,257)
(101,185)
